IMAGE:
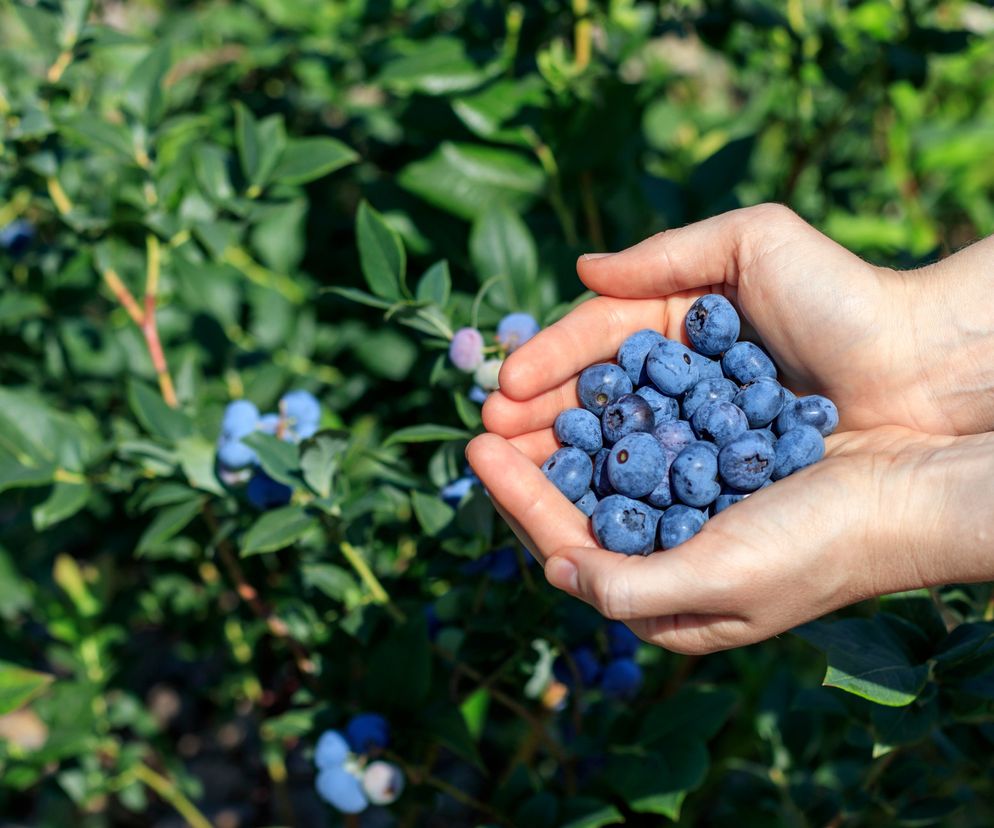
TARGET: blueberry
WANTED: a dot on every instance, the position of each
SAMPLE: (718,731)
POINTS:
(712,325)
(466,349)
(636,464)
(633,351)
(679,524)
(628,414)
(761,400)
(301,408)
(486,374)
(234,454)
(622,679)
(675,435)
(578,427)
(239,420)
(799,447)
(671,367)
(383,782)
(705,391)
(694,475)
(587,503)
(569,470)
(730,496)
(588,667)
(600,483)
(621,641)
(768,434)
(600,385)
(746,462)
(503,564)
(274,424)
(622,524)
(367,731)
(662,495)
(719,422)
(265,493)
(707,368)
(744,362)
(663,408)
(515,329)
(454,492)
(332,750)
(478,395)
(341,789)
(16,237)
(815,410)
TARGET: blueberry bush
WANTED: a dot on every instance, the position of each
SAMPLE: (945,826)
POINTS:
(245,575)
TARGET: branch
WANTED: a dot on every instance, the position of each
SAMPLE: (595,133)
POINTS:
(167,789)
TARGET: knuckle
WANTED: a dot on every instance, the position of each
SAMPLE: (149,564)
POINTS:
(604,596)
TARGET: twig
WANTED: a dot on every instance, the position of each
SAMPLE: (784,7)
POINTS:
(145,320)
(582,31)
(551,168)
(591,211)
(166,789)
(422,776)
(276,625)
(380,595)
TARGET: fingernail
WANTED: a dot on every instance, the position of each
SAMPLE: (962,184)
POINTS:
(561,573)
(588,256)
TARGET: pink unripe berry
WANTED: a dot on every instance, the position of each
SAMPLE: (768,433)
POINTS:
(466,349)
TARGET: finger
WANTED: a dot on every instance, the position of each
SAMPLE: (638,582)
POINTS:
(537,446)
(520,489)
(629,587)
(709,252)
(509,418)
(696,634)
(588,334)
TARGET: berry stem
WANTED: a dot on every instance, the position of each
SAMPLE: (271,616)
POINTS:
(582,32)
(167,789)
(276,625)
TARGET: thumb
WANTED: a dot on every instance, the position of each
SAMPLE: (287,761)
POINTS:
(709,252)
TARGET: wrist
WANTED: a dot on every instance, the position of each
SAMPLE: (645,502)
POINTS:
(952,327)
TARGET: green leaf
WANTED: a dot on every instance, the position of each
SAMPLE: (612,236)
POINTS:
(167,524)
(401,660)
(278,458)
(360,296)
(468,411)
(466,179)
(307,159)
(65,500)
(143,89)
(17,475)
(381,253)
(276,530)
(197,457)
(500,245)
(436,66)
(869,658)
(68,575)
(432,512)
(426,433)
(485,112)
(435,285)
(320,458)
(445,724)
(658,782)
(333,581)
(210,164)
(99,134)
(157,418)
(587,812)
(695,710)
(18,686)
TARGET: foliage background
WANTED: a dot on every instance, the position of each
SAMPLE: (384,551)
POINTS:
(163,644)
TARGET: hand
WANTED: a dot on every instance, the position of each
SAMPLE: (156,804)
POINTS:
(824,538)
(889,509)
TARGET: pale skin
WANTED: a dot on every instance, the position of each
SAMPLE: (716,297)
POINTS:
(905,496)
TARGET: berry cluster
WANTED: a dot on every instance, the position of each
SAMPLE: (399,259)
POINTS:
(347,779)
(298,418)
(468,352)
(671,435)
(618,677)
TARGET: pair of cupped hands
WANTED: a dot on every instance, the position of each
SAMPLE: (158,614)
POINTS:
(905,495)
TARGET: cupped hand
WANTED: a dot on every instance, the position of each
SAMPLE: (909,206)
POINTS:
(834,324)
(888,509)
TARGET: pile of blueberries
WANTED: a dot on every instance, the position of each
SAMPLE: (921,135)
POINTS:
(619,677)
(671,435)
(298,418)
(347,779)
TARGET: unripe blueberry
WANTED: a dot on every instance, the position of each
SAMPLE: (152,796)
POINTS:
(486,374)
(466,349)
(383,782)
